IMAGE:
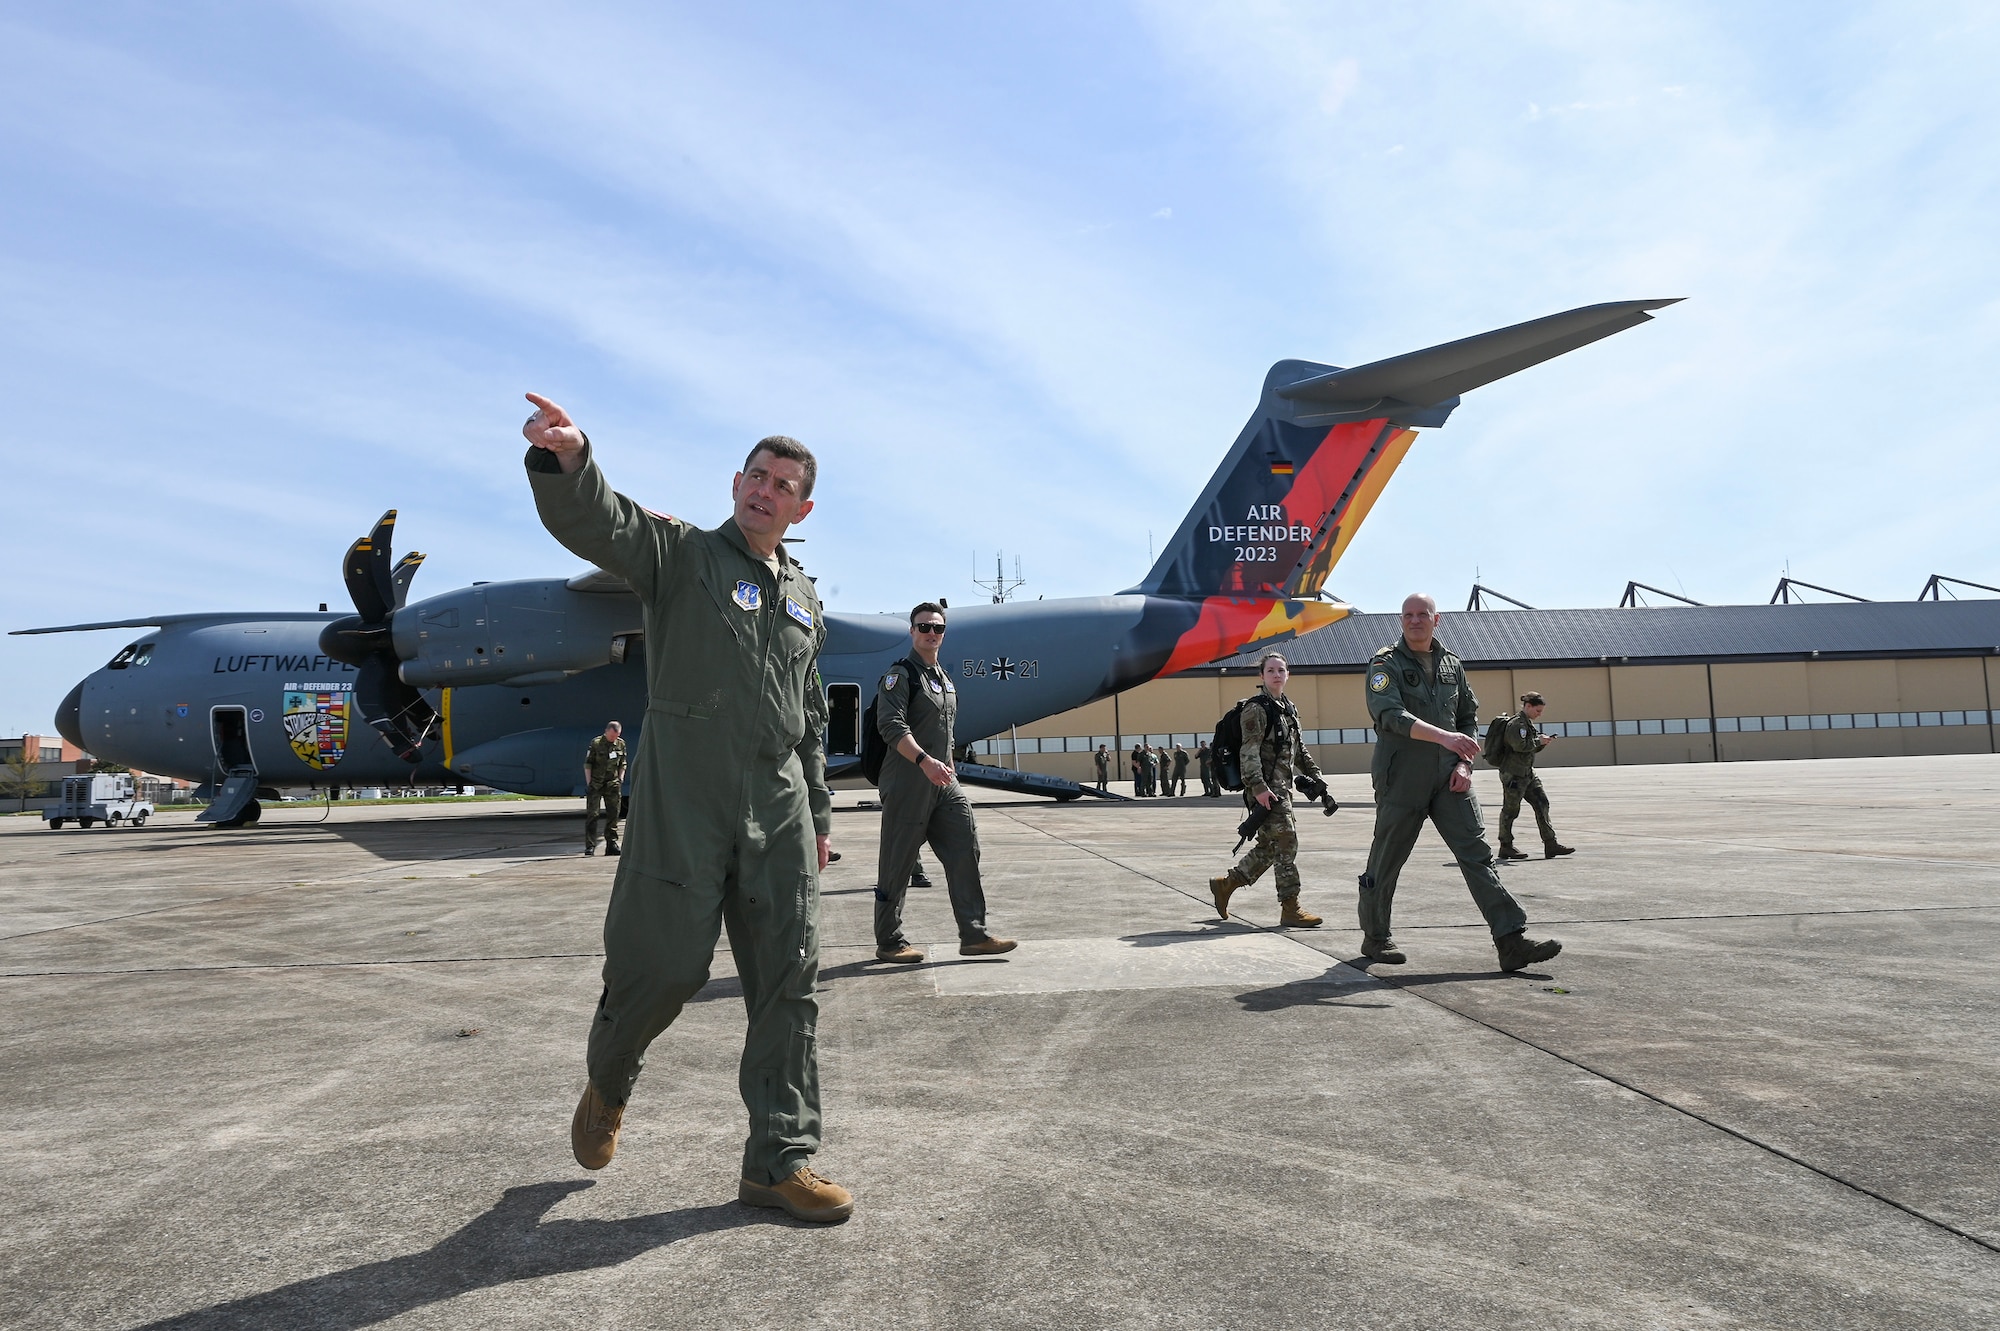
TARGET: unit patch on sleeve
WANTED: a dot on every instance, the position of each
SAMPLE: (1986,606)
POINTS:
(749,595)
(892,681)
(1378,681)
(798,612)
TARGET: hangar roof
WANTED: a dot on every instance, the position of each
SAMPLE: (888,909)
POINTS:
(1660,635)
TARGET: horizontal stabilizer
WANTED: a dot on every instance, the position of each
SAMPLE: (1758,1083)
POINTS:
(1288,498)
(1426,378)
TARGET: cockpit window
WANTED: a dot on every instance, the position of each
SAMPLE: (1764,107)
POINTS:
(123,659)
(145,654)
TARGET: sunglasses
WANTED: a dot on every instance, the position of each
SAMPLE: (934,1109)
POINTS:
(928,628)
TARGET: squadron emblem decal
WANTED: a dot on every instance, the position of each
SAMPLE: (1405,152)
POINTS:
(1378,681)
(749,595)
(316,722)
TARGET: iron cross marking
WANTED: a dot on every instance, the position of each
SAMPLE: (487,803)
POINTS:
(1003,669)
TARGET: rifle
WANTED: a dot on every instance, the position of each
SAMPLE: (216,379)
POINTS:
(1248,827)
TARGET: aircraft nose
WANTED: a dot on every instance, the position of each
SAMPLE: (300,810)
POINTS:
(69,716)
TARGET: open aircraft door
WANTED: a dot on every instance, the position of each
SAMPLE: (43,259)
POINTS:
(843,720)
(236,786)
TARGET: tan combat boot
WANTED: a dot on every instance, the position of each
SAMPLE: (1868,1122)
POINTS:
(989,946)
(900,952)
(1224,888)
(1296,916)
(803,1196)
(593,1131)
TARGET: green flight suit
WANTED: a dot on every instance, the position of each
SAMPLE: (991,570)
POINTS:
(1270,756)
(922,701)
(603,775)
(1520,742)
(728,793)
(1412,780)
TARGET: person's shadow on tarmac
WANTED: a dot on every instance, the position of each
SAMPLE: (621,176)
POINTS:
(510,1242)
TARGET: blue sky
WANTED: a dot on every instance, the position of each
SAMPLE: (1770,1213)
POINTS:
(1015,272)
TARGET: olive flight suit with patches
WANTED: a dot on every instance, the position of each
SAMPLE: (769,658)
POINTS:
(1412,780)
(921,701)
(603,774)
(728,794)
(1520,742)
(1270,756)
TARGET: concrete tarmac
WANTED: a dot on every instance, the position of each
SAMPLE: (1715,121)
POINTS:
(319,1074)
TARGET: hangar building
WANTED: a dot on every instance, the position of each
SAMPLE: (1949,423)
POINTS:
(1674,684)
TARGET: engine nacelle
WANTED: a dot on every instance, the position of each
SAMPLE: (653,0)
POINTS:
(516,633)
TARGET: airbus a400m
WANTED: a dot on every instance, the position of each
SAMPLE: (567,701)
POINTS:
(504,683)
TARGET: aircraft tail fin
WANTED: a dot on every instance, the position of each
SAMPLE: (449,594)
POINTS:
(1288,498)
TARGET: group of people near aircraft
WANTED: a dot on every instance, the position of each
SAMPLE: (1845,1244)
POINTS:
(731,816)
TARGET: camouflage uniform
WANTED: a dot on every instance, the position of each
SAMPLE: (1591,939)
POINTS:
(603,777)
(1521,741)
(1271,754)
(728,793)
(1412,779)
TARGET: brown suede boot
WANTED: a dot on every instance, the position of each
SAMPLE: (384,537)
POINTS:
(593,1131)
(1224,888)
(1296,916)
(803,1196)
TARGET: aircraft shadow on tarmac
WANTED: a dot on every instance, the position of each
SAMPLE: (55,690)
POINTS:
(511,1242)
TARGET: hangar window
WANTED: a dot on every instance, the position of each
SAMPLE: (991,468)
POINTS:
(1697,725)
(1841,721)
(1927,718)
(1625,727)
(1864,720)
(1954,718)
(1675,725)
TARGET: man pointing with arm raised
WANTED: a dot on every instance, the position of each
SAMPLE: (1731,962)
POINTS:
(730,811)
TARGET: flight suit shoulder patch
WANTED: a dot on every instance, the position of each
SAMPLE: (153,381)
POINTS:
(1378,680)
(892,681)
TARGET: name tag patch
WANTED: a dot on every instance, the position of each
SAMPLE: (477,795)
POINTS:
(798,612)
(749,595)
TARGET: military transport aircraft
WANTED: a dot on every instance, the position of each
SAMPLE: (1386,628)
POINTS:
(504,683)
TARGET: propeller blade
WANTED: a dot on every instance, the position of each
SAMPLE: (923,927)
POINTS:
(401,714)
(366,572)
(406,569)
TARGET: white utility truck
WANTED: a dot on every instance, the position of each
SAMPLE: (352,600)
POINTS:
(107,798)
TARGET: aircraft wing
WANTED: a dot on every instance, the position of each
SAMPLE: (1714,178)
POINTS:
(163,621)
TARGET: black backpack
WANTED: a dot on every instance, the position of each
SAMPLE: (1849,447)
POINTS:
(1226,748)
(1494,746)
(873,747)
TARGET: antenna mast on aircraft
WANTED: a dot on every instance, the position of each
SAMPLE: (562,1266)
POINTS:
(1001,587)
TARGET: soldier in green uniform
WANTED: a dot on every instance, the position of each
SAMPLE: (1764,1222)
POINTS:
(1179,783)
(1520,742)
(1271,753)
(916,705)
(603,777)
(1103,767)
(1206,758)
(730,811)
(1424,715)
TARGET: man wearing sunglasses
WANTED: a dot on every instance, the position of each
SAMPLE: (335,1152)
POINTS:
(916,706)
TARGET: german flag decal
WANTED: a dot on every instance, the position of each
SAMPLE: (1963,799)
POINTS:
(1281,468)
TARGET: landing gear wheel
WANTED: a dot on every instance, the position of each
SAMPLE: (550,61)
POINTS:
(252,811)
